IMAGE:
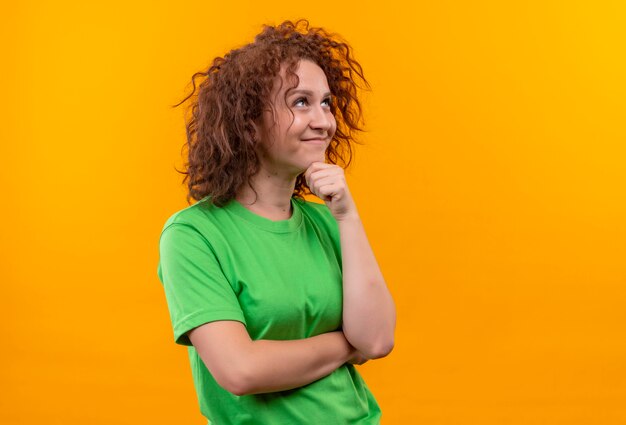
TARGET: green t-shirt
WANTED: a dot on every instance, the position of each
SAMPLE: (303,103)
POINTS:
(283,281)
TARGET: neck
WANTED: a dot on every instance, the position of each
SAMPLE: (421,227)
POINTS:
(273,195)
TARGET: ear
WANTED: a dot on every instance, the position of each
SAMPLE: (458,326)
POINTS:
(256,132)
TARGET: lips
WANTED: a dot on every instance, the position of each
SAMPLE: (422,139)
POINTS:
(317,139)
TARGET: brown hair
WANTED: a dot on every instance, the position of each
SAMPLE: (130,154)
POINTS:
(236,88)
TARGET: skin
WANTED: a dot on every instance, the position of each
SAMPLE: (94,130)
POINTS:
(369,311)
(285,150)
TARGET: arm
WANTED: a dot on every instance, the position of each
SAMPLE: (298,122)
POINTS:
(369,313)
(243,366)
(200,298)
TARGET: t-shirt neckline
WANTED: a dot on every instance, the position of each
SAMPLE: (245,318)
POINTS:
(279,226)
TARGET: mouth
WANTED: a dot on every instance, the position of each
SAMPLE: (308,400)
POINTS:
(317,140)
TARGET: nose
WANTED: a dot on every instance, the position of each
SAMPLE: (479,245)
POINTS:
(321,118)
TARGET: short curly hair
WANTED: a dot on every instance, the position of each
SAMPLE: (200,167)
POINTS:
(235,90)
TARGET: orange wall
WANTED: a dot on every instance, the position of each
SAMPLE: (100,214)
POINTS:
(492,185)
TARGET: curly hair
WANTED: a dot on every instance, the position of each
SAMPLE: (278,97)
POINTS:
(221,141)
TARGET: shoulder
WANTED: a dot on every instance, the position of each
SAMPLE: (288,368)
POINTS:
(321,221)
(311,207)
(319,215)
(197,216)
(202,220)
(315,211)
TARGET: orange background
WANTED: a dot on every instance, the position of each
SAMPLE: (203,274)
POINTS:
(492,185)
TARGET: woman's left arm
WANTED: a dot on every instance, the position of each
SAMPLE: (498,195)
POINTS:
(369,314)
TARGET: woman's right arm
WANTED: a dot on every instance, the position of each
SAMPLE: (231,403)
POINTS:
(243,366)
(196,287)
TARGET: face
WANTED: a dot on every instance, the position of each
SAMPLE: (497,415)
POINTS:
(300,127)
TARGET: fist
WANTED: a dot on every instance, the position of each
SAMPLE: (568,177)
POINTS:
(357,358)
(328,182)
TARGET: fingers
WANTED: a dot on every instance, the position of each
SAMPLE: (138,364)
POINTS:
(320,170)
(358,360)
(327,193)
(327,183)
(316,166)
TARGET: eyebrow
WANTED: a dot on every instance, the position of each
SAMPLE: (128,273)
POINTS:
(307,92)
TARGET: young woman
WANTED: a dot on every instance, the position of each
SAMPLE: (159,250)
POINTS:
(276,297)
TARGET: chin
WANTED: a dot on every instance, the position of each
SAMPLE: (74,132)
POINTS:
(305,162)
(316,159)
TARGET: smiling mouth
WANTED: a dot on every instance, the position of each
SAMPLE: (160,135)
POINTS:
(318,140)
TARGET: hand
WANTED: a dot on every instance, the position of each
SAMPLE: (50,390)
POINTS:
(328,182)
(357,358)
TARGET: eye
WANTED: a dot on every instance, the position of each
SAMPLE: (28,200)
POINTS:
(300,100)
(328,101)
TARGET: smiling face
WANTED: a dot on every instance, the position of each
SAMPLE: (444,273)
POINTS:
(299,129)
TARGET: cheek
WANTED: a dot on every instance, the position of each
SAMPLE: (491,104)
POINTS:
(299,124)
(333,125)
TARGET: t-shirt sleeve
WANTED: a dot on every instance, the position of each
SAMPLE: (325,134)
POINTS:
(196,289)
